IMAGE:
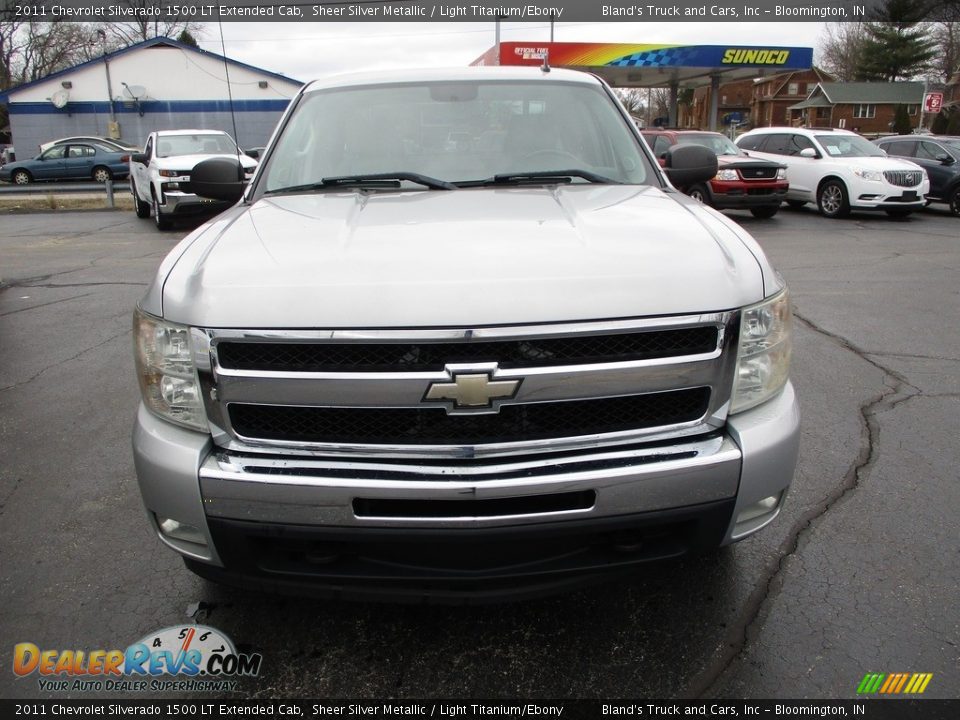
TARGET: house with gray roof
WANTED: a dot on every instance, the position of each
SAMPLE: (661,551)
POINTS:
(866,107)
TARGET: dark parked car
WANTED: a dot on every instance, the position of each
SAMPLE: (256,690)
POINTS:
(741,183)
(80,161)
(939,156)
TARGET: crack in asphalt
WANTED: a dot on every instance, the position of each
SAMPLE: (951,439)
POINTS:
(897,389)
(86,284)
(912,356)
(65,360)
(46,304)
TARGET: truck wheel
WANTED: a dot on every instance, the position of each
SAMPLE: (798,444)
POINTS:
(700,194)
(22,177)
(768,211)
(163,223)
(140,207)
(102,174)
(832,199)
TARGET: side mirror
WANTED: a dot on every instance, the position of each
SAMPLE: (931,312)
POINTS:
(139,158)
(809,153)
(945,159)
(218,179)
(690,164)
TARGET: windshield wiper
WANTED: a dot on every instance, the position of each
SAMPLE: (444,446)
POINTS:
(390,180)
(541,177)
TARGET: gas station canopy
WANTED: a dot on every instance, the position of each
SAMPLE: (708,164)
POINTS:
(645,65)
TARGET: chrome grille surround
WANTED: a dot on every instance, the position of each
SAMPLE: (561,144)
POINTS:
(903,178)
(222,386)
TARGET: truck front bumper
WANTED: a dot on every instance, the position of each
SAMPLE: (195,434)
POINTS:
(358,528)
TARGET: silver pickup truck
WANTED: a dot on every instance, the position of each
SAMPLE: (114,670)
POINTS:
(460,339)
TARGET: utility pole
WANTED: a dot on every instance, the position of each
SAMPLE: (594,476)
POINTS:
(106,64)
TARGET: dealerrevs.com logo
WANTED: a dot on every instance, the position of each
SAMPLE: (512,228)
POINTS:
(180,658)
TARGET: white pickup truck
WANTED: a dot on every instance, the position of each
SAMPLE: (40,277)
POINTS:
(460,337)
(160,175)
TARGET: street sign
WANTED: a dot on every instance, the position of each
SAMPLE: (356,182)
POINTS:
(932,102)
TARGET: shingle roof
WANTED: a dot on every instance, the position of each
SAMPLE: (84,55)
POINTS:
(873,92)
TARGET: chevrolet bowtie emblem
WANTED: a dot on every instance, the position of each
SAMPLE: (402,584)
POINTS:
(474,391)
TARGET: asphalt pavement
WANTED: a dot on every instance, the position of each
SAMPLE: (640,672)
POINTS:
(859,574)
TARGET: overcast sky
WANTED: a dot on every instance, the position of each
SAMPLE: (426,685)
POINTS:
(308,50)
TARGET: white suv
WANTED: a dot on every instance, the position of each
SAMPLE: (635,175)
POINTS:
(840,171)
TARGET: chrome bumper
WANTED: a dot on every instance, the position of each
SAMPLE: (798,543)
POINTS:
(184,477)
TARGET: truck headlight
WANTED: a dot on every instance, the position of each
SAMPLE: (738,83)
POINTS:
(763,356)
(166,371)
(726,175)
(782,174)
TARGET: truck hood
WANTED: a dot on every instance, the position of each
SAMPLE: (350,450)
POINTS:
(463,258)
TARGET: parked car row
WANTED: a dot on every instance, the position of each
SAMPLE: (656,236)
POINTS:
(838,170)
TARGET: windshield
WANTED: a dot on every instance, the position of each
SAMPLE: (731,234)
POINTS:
(460,132)
(849,146)
(207,144)
(720,144)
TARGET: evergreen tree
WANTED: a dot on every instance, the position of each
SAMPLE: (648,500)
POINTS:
(898,46)
(187,38)
(901,121)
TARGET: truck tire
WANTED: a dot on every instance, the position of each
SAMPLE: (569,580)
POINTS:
(700,194)
(767,211)
(140,207)
(163,223)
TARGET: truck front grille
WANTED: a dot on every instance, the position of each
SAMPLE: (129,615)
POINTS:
(758,173)
(903,178)
(433,426)
(419,392)
(425,356)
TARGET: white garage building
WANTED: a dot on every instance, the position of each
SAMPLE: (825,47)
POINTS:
(158,84)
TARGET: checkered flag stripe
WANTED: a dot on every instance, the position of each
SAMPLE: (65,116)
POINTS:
(655,58)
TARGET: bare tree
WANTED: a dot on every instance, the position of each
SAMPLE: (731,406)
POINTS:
(633,100)
(840,49)
(31,50)
(11,40)
(946,63)
(129,33)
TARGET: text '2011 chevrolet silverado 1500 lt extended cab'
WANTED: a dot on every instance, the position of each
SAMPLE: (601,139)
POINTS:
(460,338)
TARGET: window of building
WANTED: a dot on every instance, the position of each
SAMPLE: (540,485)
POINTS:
(864,111)
(912,109)
(793,89)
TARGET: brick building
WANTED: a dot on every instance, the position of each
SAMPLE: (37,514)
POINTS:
(733,105)
(773,96)
(867,107)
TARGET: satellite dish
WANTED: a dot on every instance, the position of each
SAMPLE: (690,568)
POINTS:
(60,98)
(134,92)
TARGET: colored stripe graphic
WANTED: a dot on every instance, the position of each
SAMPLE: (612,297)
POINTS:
(894,683)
